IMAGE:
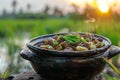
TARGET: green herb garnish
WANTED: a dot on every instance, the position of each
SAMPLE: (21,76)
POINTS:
(71,38)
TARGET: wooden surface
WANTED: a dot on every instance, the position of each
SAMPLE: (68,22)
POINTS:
(31,75)
(28,75)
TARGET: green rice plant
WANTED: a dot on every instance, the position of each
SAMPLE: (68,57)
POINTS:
(5,74)
(112,66)
(108,77)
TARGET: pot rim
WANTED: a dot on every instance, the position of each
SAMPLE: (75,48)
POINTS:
(34,41)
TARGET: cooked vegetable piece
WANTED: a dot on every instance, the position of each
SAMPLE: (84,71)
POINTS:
(49,47)
(64,44)
(82,39)
(46,47)
(59,47)
(68,49)
(80,48)
(98,45)
(54,42)
(92,46)
(43,46)
(87,39)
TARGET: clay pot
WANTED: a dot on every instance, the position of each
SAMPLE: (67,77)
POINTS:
(75,65)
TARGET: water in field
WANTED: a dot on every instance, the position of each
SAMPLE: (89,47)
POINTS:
(10,55)
(4,59)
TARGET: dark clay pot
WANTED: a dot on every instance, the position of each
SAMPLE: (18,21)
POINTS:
(75,65)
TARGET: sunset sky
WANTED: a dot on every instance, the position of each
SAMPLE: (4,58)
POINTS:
(38,5)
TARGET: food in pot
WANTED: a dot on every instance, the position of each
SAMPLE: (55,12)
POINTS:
(72,42)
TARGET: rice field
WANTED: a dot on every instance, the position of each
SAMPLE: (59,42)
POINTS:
(17,27)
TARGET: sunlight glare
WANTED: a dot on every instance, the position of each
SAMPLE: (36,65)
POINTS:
(103,8)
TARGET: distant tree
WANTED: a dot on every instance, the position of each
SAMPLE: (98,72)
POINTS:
(61,13)
(28,7)
(46,10)
(57,12)
(75,7)
(90,12)
(4,12)
(21,11)
(14,5)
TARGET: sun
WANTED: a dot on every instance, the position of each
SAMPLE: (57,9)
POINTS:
(104,8)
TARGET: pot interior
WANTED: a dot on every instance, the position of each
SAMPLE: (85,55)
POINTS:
(33,45)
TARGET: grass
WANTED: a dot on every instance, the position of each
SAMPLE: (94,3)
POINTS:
(38,27)
(108,77)
(112,66)
(35,27)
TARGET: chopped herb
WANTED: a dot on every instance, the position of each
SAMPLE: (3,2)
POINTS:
(71,38)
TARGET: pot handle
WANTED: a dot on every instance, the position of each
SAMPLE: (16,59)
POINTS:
(26,54)
(113,51)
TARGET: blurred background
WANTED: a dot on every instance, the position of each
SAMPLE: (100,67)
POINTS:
(21,20)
